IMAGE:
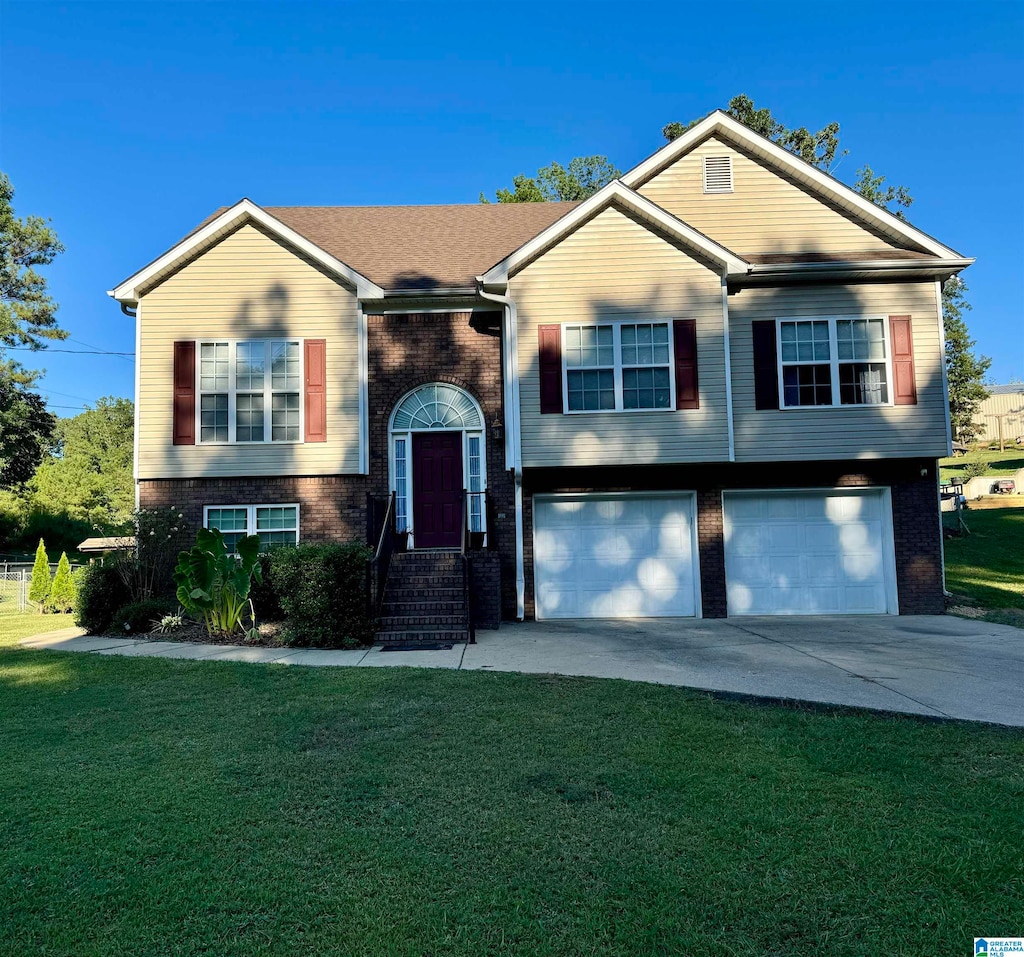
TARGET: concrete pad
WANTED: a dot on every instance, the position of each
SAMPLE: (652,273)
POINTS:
(323,657)
(377,658)
(52,637)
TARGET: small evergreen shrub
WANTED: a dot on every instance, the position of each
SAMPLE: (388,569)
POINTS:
(322,592)
(141,617)
(101,591)
(973,470)
(62,591)
(39,589)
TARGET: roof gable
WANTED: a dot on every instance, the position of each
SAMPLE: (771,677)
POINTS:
(837,194)
(615,193)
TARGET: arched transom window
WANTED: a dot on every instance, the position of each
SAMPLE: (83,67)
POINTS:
(444,408)
(437,407)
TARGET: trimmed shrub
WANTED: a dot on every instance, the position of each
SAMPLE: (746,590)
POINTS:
(141,617)
(263,594)
(62,591)
(101,591)
(39,589)
(973,470)
(322,591)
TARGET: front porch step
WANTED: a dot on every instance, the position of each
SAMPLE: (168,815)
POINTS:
(422,635)
(406,621)
(413,606)
(403,593)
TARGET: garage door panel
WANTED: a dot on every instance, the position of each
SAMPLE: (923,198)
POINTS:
(614,557)
(806,553)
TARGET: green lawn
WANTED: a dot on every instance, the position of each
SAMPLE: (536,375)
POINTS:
(988,565)
(996,463)
(176,808)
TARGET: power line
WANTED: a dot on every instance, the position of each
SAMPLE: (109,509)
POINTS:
(79,352)
(91,345)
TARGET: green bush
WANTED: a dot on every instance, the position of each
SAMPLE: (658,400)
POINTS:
(101,591)
(322,591)
(141,617)
(264,595)
(973,470)
(39,589)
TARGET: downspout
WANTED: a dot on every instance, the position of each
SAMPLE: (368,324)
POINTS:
(513,438)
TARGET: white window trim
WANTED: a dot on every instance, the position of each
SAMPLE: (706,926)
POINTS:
(232,392)
(616,325)
(834,362)
(250,520)
(704,174)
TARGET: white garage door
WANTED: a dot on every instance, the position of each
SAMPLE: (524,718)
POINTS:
(809,553)
(614,556)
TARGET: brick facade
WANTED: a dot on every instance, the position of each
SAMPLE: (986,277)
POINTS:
(915,509)
(406,350)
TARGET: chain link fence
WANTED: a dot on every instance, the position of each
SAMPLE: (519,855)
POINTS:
(14,589)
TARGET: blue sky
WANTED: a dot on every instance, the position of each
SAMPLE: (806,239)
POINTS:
(129,123)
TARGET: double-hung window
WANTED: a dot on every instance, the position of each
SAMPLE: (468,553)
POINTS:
(617,366)
(275,524)
(834,361)
(250,391)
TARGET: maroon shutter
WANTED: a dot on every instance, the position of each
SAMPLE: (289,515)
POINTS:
(550,361)
(316,390)
(184,402)
(684,332)
(902,339)
(766,365)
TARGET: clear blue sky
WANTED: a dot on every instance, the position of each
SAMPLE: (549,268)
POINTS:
(129,123)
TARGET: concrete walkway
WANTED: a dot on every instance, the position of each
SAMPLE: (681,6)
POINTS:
(944,667)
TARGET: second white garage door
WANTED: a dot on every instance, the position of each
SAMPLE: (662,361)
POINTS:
(614,556)
(809,552)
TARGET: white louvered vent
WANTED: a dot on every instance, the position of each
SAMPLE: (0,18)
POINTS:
(717,174)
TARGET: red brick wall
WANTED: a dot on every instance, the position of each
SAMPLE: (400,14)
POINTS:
(914,503)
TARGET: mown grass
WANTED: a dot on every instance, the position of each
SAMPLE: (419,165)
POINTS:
(995,462)
(987,566)
(178,808)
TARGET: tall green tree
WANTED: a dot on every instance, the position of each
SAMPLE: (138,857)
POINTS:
(27,321)
(89,474)
(583,177)
(965,370)
(62,589)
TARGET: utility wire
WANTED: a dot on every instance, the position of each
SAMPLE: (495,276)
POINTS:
(91,345)
(80,352)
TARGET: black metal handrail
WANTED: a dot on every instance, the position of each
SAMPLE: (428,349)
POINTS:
(467,568)
(378,567)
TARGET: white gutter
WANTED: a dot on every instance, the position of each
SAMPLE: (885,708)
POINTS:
(138,386)
(817,269)
(513,436)
(728,365)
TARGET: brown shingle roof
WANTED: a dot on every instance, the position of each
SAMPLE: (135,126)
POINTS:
(421,247)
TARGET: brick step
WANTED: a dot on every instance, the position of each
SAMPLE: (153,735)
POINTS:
(397,592)
(406,559)
(411,622)
(424,581)
(456,637)
(414,607)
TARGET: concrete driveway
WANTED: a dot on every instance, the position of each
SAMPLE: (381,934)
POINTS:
(941,666)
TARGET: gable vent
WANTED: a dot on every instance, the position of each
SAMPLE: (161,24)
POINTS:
(717,174)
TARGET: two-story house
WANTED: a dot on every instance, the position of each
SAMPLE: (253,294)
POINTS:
(716,387)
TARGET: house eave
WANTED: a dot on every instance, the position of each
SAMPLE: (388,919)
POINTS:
(767,274)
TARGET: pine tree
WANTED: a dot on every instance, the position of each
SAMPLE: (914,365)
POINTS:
(39,590)
(62,592)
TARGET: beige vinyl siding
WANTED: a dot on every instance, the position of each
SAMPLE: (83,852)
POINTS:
(848,431)
(615,268)
(248,286)
(765,213)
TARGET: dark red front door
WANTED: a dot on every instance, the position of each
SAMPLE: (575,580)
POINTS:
(437,489)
